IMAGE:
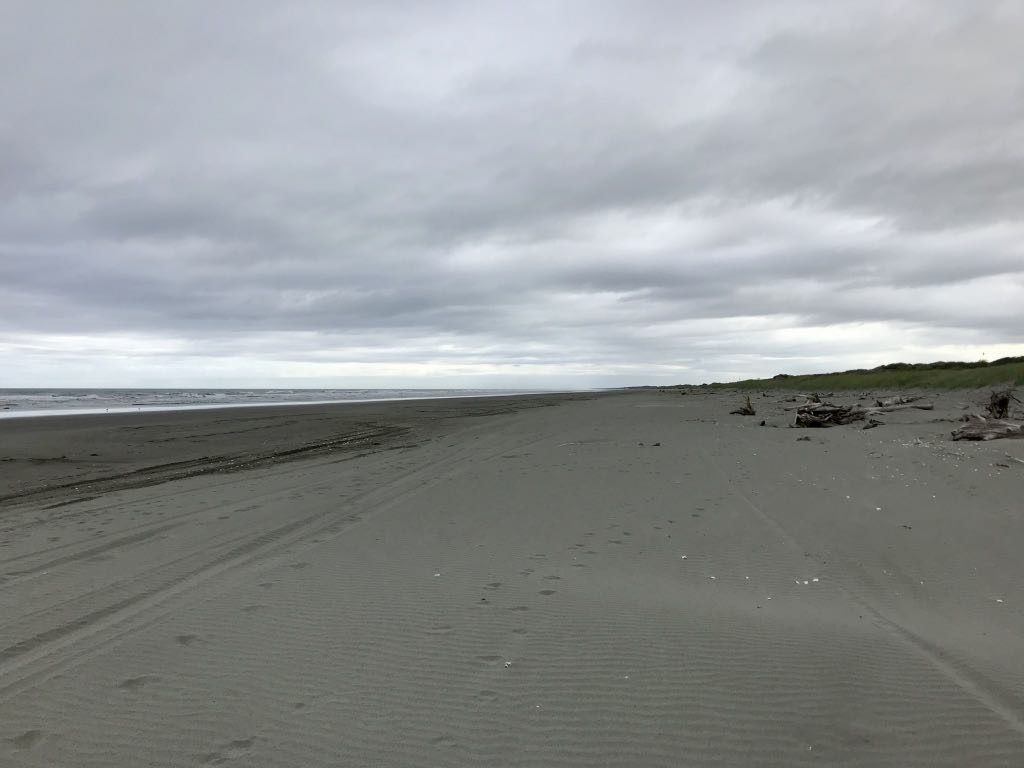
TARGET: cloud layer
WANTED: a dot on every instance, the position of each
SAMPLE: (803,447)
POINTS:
(571,193)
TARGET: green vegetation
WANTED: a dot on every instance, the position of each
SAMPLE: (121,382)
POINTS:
(1008,371)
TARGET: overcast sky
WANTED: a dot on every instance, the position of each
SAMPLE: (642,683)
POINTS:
(505,194)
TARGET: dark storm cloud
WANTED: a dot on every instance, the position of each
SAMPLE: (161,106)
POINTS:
(597,186)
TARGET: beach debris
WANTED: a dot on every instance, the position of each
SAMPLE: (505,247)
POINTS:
(999,402)
(508,664)
(812,415)
(885,402)
(804,439)
(872,423)
(901,407)
(983,428)
(747,409)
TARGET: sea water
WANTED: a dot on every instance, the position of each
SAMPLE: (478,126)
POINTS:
(52,402)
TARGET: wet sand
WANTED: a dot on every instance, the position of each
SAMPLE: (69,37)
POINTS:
(638,579)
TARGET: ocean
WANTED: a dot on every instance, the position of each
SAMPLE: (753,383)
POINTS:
(52,402)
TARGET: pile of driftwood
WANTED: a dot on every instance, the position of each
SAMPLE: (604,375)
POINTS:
(996,424)
(827,415)
(815,413)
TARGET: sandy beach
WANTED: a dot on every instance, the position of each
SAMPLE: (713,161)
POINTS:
(635,579)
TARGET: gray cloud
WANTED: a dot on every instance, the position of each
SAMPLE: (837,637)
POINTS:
(557,192)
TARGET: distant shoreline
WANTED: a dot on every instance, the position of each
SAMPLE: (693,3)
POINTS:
(12,413)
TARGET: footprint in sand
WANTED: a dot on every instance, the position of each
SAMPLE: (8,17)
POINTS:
(538,556)
(234,750)
(487,695)
(299,566)
(520,631)
(253,608)
(440,629)
(490,658)
(26,740)
(299,705)
(267,584)
(186,640)
(444,740)
(136,683)
(614,541)
(547,592)
(526,572)
(552,578)
(520,608)
(579,565)
(493,585)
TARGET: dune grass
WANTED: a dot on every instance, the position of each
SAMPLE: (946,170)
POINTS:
(901,376)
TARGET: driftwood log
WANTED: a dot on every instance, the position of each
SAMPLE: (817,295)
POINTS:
(902,407)
(885,402)
(984,428)
(746,409)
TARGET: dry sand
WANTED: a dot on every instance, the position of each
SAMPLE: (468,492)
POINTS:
(626,580)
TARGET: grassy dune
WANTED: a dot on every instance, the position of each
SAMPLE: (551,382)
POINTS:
(1009,371)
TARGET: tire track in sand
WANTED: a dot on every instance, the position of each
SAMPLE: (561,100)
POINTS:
(39,656)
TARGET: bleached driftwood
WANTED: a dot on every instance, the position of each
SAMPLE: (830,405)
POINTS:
(897,400)
(984,428)
(901,407)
